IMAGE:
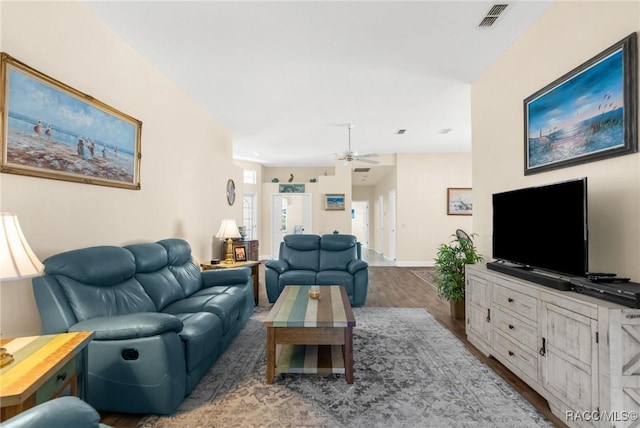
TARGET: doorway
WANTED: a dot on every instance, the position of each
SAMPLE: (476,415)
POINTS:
(290,213)
(392,225)
(360,221)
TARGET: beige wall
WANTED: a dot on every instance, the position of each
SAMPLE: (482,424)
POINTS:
(567,35)
(300,174)
(186,154)
(422,220)
(322,221)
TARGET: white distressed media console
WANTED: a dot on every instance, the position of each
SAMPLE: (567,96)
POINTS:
(580,353)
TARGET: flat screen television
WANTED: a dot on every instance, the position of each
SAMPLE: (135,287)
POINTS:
(543,227)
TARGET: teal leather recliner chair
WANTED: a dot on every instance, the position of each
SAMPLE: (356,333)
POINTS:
(319,260)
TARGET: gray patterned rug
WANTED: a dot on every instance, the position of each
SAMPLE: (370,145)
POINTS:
(408,372)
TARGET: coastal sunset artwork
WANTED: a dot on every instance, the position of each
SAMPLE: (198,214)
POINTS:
(586,115)
(53,131)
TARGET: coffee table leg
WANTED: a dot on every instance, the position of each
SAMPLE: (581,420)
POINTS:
(271,354)
(348,354)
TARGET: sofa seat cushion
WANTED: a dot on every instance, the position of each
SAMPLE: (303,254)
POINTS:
(337,277)
(226,306)
(211,291)
(201,337)
(298,277)
(130,326)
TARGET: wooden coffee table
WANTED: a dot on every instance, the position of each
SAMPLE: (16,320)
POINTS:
(307,335)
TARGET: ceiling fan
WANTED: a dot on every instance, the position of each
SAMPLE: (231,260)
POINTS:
(352,155)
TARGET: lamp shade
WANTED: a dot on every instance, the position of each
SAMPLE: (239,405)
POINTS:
(228,229)
(17,260)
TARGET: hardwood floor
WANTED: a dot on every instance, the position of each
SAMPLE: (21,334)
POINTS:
(399,287)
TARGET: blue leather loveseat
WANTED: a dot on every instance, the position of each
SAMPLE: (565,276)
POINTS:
(159,322)
(319,260)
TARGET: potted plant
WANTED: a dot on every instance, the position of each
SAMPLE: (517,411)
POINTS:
(450,262)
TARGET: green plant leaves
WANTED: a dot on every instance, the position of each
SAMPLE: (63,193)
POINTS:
(450,262)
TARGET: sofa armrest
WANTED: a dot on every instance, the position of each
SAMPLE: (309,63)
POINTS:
(231,276)
(279,266)
(356,265)
(129,326)
(60,412)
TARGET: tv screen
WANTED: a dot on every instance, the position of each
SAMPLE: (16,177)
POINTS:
(543,227)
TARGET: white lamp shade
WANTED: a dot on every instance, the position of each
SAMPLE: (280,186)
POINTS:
(17,260)
(228,229)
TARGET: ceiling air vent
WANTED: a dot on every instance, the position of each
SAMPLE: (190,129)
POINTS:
(493,15)
(361,169)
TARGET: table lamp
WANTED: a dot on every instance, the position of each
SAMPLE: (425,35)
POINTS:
(17,260)
(228,230)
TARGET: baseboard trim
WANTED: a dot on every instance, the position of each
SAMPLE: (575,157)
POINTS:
(422,263)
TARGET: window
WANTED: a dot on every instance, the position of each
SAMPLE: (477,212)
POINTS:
(249,217)
(285,205)
(249,176)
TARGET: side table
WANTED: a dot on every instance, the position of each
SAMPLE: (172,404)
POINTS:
(43,368)
(255,273)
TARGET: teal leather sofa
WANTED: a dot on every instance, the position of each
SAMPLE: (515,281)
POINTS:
(159,322)
(319,260)
(64,412)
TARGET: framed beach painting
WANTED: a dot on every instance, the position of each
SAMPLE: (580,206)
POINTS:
(51,130)
(586,115)
(334,201)
(459,201)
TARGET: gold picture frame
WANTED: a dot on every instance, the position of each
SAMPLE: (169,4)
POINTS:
(51,130)
(459,201)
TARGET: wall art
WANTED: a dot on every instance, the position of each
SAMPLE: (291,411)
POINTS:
(52,130)
(586,115)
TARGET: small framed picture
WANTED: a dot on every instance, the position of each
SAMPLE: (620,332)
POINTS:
(459,201)
(240,254)
(334,201)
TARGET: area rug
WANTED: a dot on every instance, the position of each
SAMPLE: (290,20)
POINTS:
(427,275)
(408,372)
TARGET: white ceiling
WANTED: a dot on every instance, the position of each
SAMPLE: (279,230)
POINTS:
(286,77)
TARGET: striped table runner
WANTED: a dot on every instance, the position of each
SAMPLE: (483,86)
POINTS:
(309,359)
(294,308)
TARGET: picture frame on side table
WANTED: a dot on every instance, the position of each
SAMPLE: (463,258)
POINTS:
(51,130)
(334,202)
(586,115)
(459,201)
(240,254)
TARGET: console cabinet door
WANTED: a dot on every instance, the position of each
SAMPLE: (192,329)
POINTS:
(569,358)
(478,310)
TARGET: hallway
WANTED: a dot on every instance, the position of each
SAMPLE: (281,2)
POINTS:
(375,259)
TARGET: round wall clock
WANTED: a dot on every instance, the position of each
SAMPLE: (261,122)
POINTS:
(231,192)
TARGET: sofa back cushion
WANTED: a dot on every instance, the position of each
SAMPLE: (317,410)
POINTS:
(181,265)
(337,251)
(152,271)
(302,252)
(99,281)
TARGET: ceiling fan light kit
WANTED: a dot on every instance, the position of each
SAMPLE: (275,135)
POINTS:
(352,155)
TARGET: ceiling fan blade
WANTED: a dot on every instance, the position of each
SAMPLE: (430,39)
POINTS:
(367,161)
(368,155)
